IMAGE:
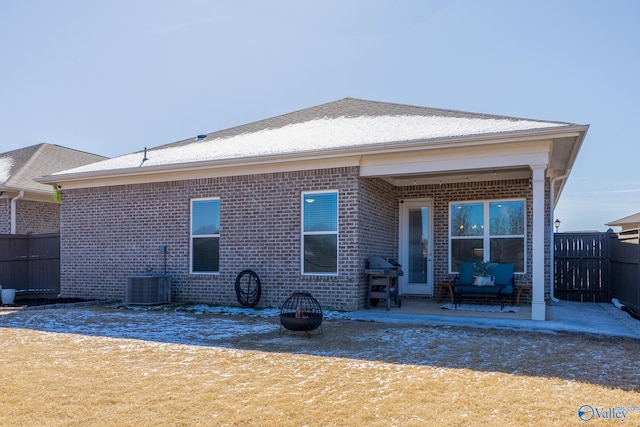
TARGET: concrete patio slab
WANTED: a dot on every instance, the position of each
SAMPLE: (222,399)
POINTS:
(563,316)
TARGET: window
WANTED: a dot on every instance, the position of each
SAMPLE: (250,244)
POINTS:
(205,236)
(487,231)
(320,233)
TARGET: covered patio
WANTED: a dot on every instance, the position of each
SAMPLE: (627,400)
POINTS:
(528,167)
(431,307)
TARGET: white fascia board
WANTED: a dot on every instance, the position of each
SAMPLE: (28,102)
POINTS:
(456,159)
(34,196)
(199,171)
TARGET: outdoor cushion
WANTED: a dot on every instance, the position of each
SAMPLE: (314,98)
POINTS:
(476,290)
(483,281)
(502,273)
(506,289)
(466,273)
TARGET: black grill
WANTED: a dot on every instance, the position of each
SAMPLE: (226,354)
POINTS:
(384,265)
(383,275)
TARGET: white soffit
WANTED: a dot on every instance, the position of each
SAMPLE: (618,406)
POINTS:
(479,175)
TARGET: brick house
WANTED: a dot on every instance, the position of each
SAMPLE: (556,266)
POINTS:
(26,206)
(630,227)
(303,199)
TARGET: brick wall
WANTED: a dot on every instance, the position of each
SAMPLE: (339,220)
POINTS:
(5,216)
(378,219)
(31,217)
(110,233)
(37,217)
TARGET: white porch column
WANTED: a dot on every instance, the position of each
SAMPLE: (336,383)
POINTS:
(538,306)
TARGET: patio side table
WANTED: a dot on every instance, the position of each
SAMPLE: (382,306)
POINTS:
(441,286)
(521,287)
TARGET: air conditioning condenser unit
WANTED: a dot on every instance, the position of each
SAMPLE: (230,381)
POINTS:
(148,289)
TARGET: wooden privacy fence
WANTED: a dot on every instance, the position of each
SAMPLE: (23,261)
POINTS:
(30,263)
(596,267)
(625,270)
(582,267)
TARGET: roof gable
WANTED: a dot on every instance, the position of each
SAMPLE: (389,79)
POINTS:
(19,168)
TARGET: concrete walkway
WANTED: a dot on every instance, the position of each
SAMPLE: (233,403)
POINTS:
(564,316)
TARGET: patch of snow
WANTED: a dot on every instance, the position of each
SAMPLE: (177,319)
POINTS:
(188,324)
(182,328)
(615,311)
(318,135)
(425,344)
(6,163)
(233,311)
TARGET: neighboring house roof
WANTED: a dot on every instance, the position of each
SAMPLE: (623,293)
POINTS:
(345,128)
(19,168)
(627,223)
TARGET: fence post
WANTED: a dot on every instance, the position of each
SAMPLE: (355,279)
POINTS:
(637,284)
(607,264)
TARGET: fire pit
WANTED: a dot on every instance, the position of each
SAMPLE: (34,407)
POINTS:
(301,312)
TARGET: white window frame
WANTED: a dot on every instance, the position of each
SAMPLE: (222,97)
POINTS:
(486,236)
(192,236)
(309,194)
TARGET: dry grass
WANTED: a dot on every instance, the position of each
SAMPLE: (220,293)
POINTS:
(59,379)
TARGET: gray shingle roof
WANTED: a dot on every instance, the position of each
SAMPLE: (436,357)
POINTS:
(21,166)
(345,125)
(347,107)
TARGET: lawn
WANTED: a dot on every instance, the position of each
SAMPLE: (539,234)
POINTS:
(103,366)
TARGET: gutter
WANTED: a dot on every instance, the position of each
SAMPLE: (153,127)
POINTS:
(552,234)
(13,210)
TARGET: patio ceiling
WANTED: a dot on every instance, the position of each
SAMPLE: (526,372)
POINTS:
(470,175)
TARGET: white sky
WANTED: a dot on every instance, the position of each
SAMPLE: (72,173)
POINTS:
(114,77)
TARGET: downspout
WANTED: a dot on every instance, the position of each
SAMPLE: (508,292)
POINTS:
(13,211)
(552,208)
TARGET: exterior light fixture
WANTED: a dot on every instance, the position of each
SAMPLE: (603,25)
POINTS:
(557,224)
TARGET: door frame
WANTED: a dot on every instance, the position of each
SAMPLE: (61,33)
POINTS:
(403,255)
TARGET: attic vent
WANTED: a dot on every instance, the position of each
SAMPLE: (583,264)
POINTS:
(148,289)
(200,137)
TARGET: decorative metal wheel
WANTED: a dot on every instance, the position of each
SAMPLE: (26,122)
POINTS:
(248,289)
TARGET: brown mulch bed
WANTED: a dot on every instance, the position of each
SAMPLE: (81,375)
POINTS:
(31,302)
